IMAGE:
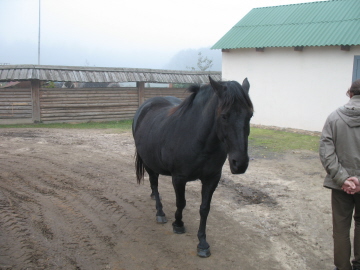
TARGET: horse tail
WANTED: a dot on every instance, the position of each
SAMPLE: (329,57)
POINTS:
(139,167)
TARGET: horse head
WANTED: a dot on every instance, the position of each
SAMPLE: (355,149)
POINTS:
(233,116)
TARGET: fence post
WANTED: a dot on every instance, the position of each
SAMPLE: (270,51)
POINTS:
(35,98)
(141,92)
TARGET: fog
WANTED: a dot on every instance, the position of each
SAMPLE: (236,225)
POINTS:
(111,33)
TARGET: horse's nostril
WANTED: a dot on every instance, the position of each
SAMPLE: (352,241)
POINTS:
(234,162)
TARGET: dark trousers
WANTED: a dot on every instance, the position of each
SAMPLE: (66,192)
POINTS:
(343,206)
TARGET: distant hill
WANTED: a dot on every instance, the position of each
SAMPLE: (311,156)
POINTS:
(188,59)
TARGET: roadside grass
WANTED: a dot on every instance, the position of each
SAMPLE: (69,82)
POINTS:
(281,141)
(264,140)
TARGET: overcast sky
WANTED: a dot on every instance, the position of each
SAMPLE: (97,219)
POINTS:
(115,33)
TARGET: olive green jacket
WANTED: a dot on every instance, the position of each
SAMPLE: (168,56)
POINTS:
(340,144)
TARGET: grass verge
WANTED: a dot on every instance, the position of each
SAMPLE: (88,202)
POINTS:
(124,125)
(280,141)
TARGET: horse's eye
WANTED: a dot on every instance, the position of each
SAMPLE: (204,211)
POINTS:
(224,116)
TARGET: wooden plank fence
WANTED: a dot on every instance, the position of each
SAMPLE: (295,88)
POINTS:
(87,104)
(156,92)
(57,105)
(16,104)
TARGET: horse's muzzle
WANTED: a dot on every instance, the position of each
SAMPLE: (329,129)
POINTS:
(238,166)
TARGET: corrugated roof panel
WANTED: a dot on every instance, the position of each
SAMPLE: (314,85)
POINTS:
(90,76)
(352,28)
(76,75)
(122,77)
(160,77)
(35,73)
(322,23)
(99,76)
(85,76)
(254,17)
(69,75)
(135,76)
(108,77)
(73,76)
(311,13)
(49,73)
(104,77)
(277,16)
(3,74)
(10,74)
(234,38)
(17,73)
(29,74)
(46,74)
(57,74)
(23,73)
(43,75)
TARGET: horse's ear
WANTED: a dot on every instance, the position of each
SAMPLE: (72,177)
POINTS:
(246,85)
(218,88)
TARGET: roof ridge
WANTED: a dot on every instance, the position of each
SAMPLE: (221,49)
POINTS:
(305,3)
(294,4)
(298,23)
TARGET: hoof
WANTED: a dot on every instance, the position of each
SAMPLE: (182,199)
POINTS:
(203,253)
(178,230)
(161,219)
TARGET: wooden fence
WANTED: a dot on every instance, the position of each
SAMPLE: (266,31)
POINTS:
(163,92)
(16,105)
(56,105)
(87,104)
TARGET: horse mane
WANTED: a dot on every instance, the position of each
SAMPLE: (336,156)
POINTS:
(234,93)
(186,104)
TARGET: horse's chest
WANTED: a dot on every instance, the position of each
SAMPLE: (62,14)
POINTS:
(193,164)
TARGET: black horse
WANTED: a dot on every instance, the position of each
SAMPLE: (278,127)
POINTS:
(190,140)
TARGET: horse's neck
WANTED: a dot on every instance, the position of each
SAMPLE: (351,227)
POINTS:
(204,116)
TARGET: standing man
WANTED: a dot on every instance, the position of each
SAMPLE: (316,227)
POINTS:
(340,156)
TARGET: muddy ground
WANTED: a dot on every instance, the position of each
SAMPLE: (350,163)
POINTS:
(69,200)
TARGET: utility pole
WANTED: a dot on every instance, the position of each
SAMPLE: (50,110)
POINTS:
(39,37)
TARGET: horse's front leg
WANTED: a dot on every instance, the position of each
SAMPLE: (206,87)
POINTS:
(179,187)
(208,188)
(160,215)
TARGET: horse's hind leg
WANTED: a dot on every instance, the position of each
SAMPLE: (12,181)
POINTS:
(160,215)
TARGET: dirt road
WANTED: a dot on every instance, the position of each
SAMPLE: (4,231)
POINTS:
(69,200)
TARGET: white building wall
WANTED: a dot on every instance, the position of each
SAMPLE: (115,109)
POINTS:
(290,88)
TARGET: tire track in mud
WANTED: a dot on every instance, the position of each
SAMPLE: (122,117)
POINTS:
(54,200)
(65,191)
(14,227)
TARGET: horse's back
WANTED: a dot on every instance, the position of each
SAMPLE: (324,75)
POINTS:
(153,105)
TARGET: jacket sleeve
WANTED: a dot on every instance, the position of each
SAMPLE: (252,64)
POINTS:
(328,156)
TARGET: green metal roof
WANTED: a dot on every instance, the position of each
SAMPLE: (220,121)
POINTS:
(323,23)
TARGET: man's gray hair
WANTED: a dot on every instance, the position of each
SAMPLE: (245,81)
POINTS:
(355,88)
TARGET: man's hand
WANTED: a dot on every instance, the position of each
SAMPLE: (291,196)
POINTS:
(351,185)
